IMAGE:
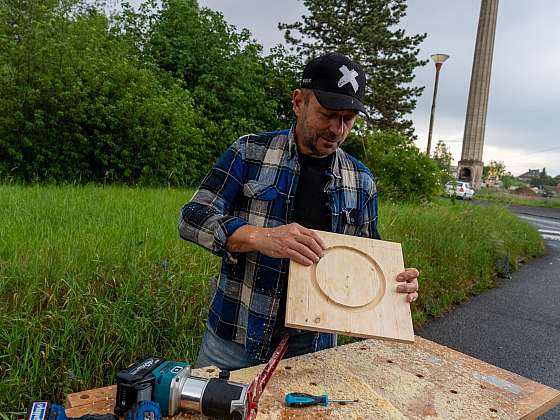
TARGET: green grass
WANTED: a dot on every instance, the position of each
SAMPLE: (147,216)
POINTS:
(90,279)
(458,247)
(93,277)
(509,198)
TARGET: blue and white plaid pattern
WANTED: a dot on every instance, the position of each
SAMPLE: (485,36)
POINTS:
(254,182)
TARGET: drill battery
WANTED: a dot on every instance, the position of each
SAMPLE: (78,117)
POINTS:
(149,379)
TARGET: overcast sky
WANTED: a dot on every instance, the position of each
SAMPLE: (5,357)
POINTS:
(523,116)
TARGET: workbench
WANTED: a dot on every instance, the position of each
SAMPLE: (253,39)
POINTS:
(391,380)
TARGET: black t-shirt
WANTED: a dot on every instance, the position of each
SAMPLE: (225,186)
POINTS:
(311,208)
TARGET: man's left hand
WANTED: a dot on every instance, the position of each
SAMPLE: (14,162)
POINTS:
(408,280)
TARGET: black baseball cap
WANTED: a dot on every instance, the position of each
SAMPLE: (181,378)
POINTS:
(337,82)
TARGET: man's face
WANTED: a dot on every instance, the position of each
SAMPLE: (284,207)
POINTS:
(319,131)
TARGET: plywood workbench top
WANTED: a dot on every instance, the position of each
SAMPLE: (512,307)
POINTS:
(392,380)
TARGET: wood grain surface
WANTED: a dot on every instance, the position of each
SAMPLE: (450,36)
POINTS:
(351,290)
(392,380)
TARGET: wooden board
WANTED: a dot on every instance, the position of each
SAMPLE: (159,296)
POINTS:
(392,380)
(351,290)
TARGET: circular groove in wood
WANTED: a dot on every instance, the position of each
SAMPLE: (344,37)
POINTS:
(349,277)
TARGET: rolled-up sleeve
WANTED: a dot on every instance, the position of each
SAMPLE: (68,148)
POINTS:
(206,219)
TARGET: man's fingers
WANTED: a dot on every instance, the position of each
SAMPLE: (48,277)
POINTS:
(299,258)
(305,251)
(317,239)
(411,297)
(310,242)
(408,280)
(407,287)
(408,274)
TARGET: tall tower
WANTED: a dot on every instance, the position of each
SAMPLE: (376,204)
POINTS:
(470,165)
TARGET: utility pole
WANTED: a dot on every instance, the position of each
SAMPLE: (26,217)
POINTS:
(438,59)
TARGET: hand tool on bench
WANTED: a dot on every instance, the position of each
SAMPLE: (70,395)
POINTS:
(46,410)
(301,399)
(171,384)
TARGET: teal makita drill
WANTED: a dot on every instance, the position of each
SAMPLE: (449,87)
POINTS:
(172,386)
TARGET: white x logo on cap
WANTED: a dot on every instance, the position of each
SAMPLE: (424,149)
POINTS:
(348,77)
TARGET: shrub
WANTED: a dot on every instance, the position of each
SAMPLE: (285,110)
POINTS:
(402,172)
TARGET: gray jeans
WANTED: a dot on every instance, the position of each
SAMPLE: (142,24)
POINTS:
(229,355)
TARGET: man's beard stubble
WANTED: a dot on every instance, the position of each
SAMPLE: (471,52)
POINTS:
(310,141)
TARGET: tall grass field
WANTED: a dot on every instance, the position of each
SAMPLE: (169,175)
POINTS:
(511,198)
(91,278)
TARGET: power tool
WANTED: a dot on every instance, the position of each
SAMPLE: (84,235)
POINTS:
(172,386)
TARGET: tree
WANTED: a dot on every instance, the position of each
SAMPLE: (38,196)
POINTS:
(281,78)
(77,104)
(508,180)
(443,156)
(367,31)
(495,169)
(221,66)
(542,180)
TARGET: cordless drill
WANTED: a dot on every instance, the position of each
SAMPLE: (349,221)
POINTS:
(171,384)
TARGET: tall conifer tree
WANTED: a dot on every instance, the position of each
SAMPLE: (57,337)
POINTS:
(369,32)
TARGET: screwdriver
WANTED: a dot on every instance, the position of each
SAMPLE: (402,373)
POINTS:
(301,399)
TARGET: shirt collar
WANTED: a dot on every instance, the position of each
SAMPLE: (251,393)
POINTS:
(292,146)
(337,163)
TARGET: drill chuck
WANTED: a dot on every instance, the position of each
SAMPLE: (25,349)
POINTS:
(217,398)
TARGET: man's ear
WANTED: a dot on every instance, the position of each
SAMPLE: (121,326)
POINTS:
(298,100)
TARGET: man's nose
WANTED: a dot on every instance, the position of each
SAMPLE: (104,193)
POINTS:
(337,125)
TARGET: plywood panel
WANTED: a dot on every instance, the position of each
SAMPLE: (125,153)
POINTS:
(351,290)
(391,380)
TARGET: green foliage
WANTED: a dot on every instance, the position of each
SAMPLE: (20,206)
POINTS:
(78,105)
(510,181)
(443,158)
(282,73)
(220,66)
(402,172)
(152,96)
(542,180)
(368,31)
(494,169)
(458,247)
(93,277)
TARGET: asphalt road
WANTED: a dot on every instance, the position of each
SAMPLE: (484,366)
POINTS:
(515,326)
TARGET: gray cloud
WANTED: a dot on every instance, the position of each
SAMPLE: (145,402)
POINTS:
(525,84)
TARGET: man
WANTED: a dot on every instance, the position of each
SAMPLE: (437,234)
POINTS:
(257,205)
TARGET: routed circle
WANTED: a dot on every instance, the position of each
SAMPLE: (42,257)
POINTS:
(349,277)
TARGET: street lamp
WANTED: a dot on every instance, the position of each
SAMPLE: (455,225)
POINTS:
(438,59)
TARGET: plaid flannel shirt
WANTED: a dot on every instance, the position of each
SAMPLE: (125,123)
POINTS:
(254,182)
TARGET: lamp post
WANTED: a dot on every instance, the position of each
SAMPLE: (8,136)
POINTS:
(438,59)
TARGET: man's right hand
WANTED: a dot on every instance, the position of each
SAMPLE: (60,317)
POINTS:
(291,241)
